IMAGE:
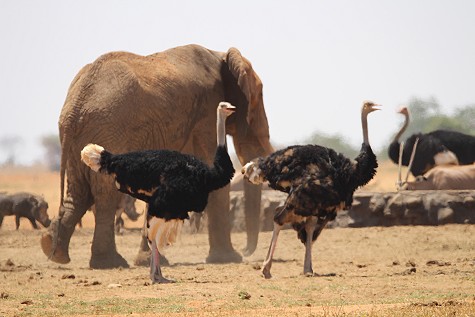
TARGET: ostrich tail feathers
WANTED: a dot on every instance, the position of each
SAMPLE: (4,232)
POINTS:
(91,156)
(164,232)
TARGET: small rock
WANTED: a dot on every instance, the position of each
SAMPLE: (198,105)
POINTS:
(3,295)
(68,276)
(409,271)
(256,266)
(27,302)
(9,262)
(244,295)
(114,285)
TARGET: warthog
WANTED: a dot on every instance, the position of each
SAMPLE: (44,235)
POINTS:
(26,205)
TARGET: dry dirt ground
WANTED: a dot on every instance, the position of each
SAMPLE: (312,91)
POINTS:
(396,271)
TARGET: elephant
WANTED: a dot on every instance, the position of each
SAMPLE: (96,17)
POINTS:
(167,100)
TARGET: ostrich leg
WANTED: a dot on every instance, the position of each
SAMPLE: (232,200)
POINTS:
(313,228)
(270,254)
(310,227)
(155,270)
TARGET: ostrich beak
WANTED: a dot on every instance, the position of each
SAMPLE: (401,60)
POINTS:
(375,107)
(226,106)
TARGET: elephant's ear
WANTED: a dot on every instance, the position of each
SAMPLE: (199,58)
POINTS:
(250,85)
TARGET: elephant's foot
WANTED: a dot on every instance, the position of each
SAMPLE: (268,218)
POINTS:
(249,250)
(59,256)
(143,259)
(227,256)
(107,261)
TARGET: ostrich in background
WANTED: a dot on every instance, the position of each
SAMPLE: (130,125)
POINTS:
(171,183)
(439,147)
(393,150)
(319,182)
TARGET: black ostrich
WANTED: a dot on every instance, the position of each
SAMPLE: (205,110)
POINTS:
(319,182)
(439,147)
(171,183)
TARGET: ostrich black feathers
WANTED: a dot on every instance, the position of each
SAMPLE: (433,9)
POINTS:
(438,141)
(317,177)
(171,183)
(319,181)
(461,144)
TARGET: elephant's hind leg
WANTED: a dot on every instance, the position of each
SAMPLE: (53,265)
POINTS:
(104,253)
(55,242)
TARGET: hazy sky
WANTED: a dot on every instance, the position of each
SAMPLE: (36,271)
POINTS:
(318,60)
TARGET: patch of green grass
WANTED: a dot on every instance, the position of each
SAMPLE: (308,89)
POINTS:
(112,305)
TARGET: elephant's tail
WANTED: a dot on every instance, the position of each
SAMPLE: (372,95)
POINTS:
(62,170)
(94,156)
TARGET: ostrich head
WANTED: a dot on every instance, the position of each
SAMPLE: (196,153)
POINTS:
(252,172)
(368,107)
(225,109)
(403,110)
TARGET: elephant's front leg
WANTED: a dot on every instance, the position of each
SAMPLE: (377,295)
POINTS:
(219,228)
(252,212)
(104,253)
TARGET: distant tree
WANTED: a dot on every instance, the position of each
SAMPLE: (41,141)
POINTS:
(466,117)
(9,144)
(52,151)
(426,116)
(335,141)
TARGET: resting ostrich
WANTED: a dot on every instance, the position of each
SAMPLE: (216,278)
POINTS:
(439,147)
(320,182)
(172,184)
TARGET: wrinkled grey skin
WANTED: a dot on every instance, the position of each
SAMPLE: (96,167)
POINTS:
(26,205)
(127,206)
(126,102)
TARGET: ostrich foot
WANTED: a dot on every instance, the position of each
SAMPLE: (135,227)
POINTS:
(266,273)
(59,256)
(161,280)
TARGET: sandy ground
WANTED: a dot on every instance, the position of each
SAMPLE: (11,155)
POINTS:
(396,271)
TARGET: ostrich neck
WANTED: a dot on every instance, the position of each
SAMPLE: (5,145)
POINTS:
(221,130)
(403,128)
(364,124)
